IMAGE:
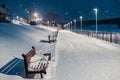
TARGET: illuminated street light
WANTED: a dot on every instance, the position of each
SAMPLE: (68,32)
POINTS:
(35,14)
(71,25)
(17,17)
(81,22)
(74,23)
(96,11)
(48,23)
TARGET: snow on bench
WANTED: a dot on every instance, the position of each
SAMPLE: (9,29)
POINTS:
(34,64)
(52,37)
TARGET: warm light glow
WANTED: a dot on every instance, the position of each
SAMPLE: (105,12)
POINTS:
(35,14)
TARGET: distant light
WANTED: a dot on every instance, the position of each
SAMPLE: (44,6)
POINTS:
(21,18)
(74,20)
(81,17)
(25,9)
(48,22)
(40,19)
(35,14)
(28,12)
(21,5)
(107,11)
(95,9)
(66,13)
(17,17)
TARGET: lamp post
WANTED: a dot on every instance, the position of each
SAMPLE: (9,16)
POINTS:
(71,24)
(81,22)
(48,23)
(74,24)
(17,17)
(67,26)
(96,11)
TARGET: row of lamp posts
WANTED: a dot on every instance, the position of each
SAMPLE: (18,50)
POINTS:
(69,25)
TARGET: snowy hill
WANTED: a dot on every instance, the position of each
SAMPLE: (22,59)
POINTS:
(16,39)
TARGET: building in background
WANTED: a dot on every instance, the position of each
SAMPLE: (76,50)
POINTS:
(4,16)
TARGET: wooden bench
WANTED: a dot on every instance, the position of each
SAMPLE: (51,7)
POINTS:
(38,66)
(52,37)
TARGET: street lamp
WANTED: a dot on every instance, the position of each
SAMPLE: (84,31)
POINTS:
(81,22)
(96,11)
(48,23)
(74,23)
(17,17)
(71,24)
(68,26)
(35,14)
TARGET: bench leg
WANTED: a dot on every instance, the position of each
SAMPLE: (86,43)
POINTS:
(41,75)
(26,75)
(49,39)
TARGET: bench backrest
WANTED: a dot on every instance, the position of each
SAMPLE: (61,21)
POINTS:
(27,57)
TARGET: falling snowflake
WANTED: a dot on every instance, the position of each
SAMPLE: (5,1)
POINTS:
(21,5)
(27,11)
(34,2)
(66,13)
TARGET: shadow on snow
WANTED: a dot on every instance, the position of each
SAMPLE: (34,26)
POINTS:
(44,41)
(14,67)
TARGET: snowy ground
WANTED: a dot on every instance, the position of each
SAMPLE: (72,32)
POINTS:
(81,58)
(74,57)
(16,39)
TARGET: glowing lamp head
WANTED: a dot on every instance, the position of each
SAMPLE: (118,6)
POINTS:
(74,20)
(35,14)
(95,9)
(81,17)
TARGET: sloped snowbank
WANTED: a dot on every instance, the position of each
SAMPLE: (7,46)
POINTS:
(16,39)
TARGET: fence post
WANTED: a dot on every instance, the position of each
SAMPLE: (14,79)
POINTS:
(49,38)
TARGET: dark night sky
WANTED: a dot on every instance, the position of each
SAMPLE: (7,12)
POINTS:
(67,9)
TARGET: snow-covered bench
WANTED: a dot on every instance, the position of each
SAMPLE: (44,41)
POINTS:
(35,64)
(52,37)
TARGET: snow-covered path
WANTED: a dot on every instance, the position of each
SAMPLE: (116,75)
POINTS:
(81,58)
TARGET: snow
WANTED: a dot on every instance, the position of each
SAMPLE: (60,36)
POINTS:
(16,39)
(74,56)
(82,58)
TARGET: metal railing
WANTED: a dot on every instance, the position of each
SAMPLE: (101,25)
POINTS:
(107,36)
